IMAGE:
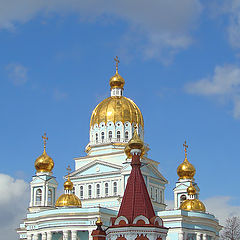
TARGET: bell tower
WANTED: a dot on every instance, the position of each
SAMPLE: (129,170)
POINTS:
(43,184)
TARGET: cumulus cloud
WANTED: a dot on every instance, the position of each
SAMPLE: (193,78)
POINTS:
(224,84)
(163,26)
(17,73)
(13,204)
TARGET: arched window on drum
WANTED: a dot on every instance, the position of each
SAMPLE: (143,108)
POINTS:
(96,137)
(38,197)
(118,136)
(110,135)
(126,136)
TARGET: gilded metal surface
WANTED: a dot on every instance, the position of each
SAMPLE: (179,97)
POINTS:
(191,190)
(117,81)
(117,109)
(134,143)
(193,205)
(44,163)
(68,200)
(186,170)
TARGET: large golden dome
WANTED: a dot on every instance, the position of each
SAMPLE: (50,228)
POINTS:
(117,108)
(44,163)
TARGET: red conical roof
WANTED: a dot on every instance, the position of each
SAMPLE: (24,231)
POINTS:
(136,200)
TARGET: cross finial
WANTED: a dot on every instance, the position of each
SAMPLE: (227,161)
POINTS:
(117,62)
(45,138)
(69,170)
(185,148)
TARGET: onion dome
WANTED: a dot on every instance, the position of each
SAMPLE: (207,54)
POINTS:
(192,204)
(68,199)
(44,163)
(134,143)
(186,170)
(116,108)
(117,81)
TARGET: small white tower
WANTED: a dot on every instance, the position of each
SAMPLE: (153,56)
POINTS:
(43,184)
(186,172)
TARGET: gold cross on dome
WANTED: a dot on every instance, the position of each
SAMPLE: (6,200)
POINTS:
(45,138)
(185,148)
(117,62)
(69,169)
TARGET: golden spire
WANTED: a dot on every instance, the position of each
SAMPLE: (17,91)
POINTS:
(117,62)
(45,138)
(191,190)
(186,170)
(68,185)
(99,221)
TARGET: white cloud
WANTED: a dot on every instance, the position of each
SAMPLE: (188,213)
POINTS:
(160,24)
(13,204)
(17,73)
(220,206)
(224,85)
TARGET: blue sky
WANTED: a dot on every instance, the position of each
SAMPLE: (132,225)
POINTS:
(181,67)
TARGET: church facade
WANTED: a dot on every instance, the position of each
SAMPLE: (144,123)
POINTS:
(95,188)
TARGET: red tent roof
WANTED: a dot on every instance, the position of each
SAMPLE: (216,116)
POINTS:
(136,200)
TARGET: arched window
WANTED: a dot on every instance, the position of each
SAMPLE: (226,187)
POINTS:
(106,189)
(89,191)
(156,195)
(38,196)
(50,197)
(115,188)
(182,198)
(102,136)
(151,192)
(73,190)
(118,135)
(81,192)
(126,135)
(110,135)
(98,190)
(161,198)
(96,137)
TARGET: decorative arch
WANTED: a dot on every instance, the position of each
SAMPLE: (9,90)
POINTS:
(141,237)
(121,237)
(141,220)
(121,219)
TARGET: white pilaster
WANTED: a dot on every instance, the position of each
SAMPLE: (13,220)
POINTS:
(90,237)
(29,236)
(49,235)
(198,236)
(204,236)
(44,236)
(181,236)
(35,236)
(65,234)
(74,234)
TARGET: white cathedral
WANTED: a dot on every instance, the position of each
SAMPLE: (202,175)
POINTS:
(96,187)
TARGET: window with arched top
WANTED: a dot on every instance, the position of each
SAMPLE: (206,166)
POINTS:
(161,197)
(115,188)
(98,190)
(81,192)
(73,190)
(156,195)
(106,189)
(151,192)
(89,191)
(118,135)
(102,136)
(126,135)
(96,137)
(38,196)
(110,135)
(183,198)
(50,197)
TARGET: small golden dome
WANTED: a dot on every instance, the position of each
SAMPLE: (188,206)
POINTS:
(193,205)
(134,143)
(68,200)
(186,170)
(117,81)
(44,163)
(68,185)
(117,109)
(191,190)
